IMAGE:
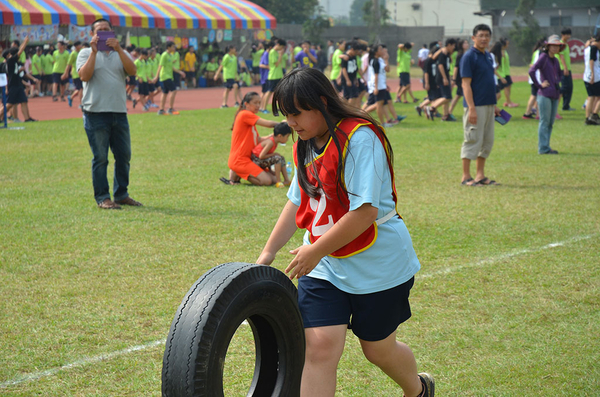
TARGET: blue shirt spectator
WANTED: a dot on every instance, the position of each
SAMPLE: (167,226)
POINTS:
(477,65)
(304,60)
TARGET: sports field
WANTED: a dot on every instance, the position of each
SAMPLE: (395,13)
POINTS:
(507,302)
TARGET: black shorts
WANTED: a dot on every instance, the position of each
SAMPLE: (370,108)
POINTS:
(265,87)
(459,90)
(404,79)
(48,78)
(382,95)
(229,83)
(176,80)
(498,89)
(534,89)
(37,76)
(16,94)
(509,82)
(131,80)
(167,86)
(350,91)
(434,94)
(143,88)
(151,88)
(271,84)
(337,87)
(57,78)
(361,86)
(372,317)
(190,75)
(255,70)
(78,84)
(592,89)
(446,91)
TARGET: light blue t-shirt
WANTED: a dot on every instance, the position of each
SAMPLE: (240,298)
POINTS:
(391,260)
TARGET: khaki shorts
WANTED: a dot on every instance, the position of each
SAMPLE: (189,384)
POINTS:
(479,138)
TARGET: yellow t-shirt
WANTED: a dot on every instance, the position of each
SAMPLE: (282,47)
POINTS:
(189,62)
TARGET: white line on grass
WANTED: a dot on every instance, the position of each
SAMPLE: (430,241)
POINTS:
(502,257)
(103,357)
(84,361)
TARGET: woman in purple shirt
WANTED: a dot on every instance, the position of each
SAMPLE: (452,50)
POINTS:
(548,87)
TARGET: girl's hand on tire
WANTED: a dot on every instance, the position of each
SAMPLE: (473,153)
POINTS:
(305,261)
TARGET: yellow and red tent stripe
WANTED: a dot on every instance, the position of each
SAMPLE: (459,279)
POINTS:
(153,14)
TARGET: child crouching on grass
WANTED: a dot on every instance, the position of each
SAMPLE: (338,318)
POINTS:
(357,265)
(264,154)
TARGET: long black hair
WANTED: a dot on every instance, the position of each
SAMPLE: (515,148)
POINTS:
(247,98)
(309,89)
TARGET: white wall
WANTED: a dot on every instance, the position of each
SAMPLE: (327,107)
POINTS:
(455,15)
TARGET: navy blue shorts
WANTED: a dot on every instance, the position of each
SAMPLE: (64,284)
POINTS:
(371,317)
(176,80)
(361,86)
(271,84)
(534,89)
(16,94)
(446,91)
(337,87)
(265,87)
(143,88)
(78,84)
(434,94)
(167,86)
(229,83)
(404,79)
(151,87)
(382,95)
(459,90)
(57,78)
(509,82)
(131,80)
(350,91)
(592,89)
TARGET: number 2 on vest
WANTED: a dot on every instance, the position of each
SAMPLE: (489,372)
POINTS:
(319,208)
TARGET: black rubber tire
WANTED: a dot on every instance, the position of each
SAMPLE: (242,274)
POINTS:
(210,314)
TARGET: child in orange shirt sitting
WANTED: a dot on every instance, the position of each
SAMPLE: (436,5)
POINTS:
(264,154)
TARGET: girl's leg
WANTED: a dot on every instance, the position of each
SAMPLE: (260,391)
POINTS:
(324,347)
(380,113)
(263,179)
(390,106)
(397,361)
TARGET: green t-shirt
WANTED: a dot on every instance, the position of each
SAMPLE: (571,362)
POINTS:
(47,63)
(23,57)
(453,63)
(212,66)
(176,60)
(256,57)
(566,53)
(336,64)
(403,60)
(504,69)
(166,63)
(142,69)
(152,67)
(276,72)
(73,63)
(36,65)
(60,61)
(229,63)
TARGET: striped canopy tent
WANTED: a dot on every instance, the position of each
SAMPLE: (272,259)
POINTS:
(153,14)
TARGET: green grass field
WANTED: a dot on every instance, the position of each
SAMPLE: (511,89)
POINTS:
(507,302)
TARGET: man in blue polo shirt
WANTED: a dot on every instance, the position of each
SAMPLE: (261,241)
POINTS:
(480,106)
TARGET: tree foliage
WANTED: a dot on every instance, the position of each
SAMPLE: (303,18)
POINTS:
(525,36)
(313,28)
(361,13)
(295,12)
